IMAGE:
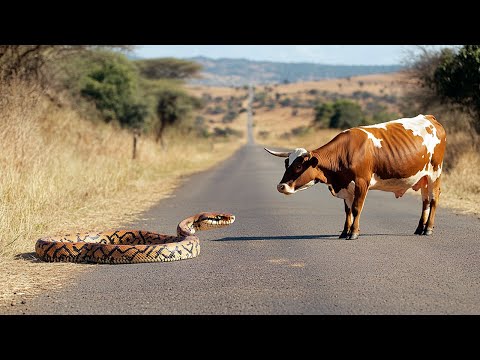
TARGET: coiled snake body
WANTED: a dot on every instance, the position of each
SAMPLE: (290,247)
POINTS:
(131,246)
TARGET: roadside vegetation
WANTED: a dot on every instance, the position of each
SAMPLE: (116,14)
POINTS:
(90,139)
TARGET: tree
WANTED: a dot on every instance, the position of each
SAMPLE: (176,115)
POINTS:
(173,104)
(32,62)
(112,85)
(457,79)
(168,68)
(323,114)
(347,114)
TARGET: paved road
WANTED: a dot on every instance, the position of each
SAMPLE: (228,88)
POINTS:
(282,255)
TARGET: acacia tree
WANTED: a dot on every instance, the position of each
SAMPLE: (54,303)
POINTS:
(173,104)
(168,68)
(164,78)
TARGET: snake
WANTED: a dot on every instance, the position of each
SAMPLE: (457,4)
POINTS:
(131,246)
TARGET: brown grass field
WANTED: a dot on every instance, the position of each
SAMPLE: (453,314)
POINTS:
(378,84)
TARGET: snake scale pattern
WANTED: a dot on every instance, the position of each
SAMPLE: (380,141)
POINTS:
(131,246)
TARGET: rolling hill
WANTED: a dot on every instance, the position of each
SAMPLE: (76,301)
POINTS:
(240,72)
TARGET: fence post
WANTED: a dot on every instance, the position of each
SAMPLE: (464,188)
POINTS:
(136,133)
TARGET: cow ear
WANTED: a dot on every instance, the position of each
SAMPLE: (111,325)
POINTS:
(313,161)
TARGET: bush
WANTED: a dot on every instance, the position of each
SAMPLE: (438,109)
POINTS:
(215,110)
(323,114)
(301,130)
(285,102)
(226,132)
(347,114)
(263,134)
(342,114)
(112,86)
(229,117)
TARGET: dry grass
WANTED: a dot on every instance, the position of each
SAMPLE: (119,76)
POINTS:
(61,173)
(461,185)
(198,90)
(377,84)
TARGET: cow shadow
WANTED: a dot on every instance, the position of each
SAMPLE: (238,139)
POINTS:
(298,237)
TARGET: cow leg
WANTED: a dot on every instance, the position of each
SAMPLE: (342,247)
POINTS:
(361,189)
(348,218)
(434,192)
(425,210)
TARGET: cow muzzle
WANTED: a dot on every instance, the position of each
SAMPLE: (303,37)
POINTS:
(285,188)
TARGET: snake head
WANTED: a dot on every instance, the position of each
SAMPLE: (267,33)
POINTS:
(209,220)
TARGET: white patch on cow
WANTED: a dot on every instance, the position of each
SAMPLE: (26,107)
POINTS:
(347,194)
(400,186)
(295,154)
(377,126)
(376,142)
(288,189)
(418,125)
(306,186)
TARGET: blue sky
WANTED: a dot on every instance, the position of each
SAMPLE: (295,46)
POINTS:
(324,54)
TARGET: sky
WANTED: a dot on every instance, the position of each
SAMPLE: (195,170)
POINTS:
(321,54)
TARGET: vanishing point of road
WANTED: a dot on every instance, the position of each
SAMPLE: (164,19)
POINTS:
(283,256)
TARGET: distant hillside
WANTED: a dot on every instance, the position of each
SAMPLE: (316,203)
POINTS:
(239,72)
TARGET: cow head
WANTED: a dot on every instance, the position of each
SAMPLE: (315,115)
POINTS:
(301,171)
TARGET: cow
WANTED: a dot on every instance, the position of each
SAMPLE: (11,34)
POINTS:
(393,156)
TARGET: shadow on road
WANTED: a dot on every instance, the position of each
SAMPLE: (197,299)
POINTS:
(296,237)
(289,237)
(29,256)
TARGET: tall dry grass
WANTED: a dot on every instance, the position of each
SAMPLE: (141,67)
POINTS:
(62,173)
(461,179)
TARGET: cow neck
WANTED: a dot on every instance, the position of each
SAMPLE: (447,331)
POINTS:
(332,156)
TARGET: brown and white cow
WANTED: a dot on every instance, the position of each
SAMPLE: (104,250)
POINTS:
(393,156)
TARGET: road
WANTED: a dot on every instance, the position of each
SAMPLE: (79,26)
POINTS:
(282,255)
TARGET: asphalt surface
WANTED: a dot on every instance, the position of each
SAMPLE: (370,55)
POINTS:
(283,256)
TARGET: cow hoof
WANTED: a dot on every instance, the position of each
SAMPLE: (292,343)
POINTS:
(352,237)
(419,230)
(428,232)
(343,235)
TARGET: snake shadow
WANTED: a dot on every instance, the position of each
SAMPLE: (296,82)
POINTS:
(33,258)
(28,256)
(295,237)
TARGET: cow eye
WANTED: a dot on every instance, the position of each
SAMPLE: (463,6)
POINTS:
(298,167)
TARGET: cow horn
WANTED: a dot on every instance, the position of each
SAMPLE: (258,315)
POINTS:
(277,153)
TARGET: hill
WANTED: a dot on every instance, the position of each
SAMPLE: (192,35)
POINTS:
(240,72)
